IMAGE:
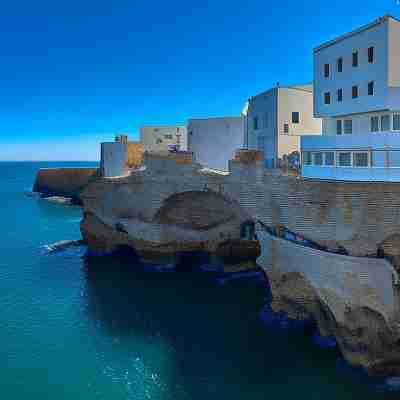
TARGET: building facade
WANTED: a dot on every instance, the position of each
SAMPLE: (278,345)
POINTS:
(277,118)
(163,138)
(357,93)
(118,158)
(214,141)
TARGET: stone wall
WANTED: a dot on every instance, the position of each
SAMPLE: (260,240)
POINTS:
(68,182)
(135,154)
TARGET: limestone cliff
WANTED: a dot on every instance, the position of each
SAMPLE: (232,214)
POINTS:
(350,298)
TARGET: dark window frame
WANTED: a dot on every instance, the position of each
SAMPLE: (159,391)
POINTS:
(339,64)
(371,88)
(327,98)
(354,59)
(339,95)
(371,54)
(295,117)
(327,70)
(354,92)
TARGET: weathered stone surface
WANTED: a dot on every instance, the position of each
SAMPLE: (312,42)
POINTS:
(64,182)
(350,298)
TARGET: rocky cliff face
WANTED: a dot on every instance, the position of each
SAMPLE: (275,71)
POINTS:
(350,298)
(66,182)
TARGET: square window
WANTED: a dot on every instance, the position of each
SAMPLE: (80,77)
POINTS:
(348,126)
(385,122)
(327,98)
(339,127)
(355,59)
(374,124)
(345,159)
(329,158)
(295,117)
(339,95)
(317,158)
(339,64)
(371,54)
(354,92)
(371,88)
(326,70)
(360,159)
(306,158)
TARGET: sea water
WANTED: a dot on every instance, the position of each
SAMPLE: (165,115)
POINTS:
(104,328)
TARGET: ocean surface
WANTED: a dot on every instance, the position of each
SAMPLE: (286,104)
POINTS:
(103,329)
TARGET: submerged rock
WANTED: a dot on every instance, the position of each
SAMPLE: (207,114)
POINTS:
(62,245)
(59,200)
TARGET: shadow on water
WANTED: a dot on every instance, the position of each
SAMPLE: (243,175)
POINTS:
(215,332)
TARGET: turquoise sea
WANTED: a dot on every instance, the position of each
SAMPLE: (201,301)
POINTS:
(103,329)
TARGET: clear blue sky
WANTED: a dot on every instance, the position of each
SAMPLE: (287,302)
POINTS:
(73,73)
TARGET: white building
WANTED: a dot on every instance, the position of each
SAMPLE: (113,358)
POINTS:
(357,93)
(277,118)
(163,137)
(214,141)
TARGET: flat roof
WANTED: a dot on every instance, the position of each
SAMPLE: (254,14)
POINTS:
(301,87)
(363,28)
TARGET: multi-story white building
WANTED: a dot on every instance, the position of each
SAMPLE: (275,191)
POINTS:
(214,141)
(357,93)
(277,118)
(163,137)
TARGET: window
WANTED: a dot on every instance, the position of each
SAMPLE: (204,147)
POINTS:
(396,122)
(348,126)
(354,92)
(307,158)
(326,70)
(339,95)
(159,141)
(378,158)
(317,158)
(329,158)
(371,88)
(371,54)
(168,136)
(385,122)
(345,159)
(285,128)
(295,117)
(355,59)
(339,127)
(327,98)
(255,123)
(394,159)
(339,64)
(374,124)
(360,159)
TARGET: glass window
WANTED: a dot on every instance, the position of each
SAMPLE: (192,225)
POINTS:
(317,158)
(360,159)
(307,158)
(327,98)
(339,127)
(340,64)
(385,122)
(348,126)
(255,123)
(285,128)
(396,122)
(354,92)
(295,117)
(339,95)
(326,70)
(394,159)
(374,124)
(378,158)
(371,88)
(371,54)
(345,159)
(329,158)
(355,59)
(167,136)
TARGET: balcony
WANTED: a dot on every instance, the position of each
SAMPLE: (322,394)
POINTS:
(362,157)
